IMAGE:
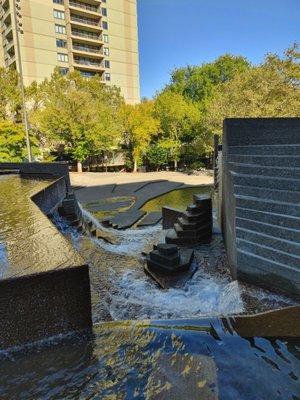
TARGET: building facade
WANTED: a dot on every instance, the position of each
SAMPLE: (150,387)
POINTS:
(90,36)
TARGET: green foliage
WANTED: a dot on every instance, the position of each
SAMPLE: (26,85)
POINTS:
(268,90)
(82,114)
(157,155)
(140,125)
(12,142)
(10,99)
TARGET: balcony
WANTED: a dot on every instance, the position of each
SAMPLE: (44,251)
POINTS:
(86,36)
(93,51)
(90,23)
(84,8)
(88,64)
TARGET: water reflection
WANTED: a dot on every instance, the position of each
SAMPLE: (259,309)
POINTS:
(184,359)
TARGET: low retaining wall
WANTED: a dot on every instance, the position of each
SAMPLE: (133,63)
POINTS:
(38,306)
(42,301)
(261,201)
(58,169)
(52,196)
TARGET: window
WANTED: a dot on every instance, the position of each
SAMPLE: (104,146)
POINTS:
(61,43)
(106,63)
(104,24)
(60,29)
(107,76)
(106,51)
(104,11)
(62,57)
(58,14)
(105,38)
(63,70)
(58,1)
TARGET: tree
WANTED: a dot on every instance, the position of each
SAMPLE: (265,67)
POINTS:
(268,90)
(157,155)
(79,113)
(140,126)
(10,100)
(196,83)
(12,142)
(178,118)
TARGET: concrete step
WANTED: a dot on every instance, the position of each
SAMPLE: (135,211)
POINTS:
(268,240)
(266,182)
(285,221)
(268,229)
(254,169)
(207,228)
(282,149)
(172,261)
(265,160)
(279,207)
(173,238)
(194,209)
(194,217)
(286,196)
(269,253)
(185,224)
(202,200)
(261,270)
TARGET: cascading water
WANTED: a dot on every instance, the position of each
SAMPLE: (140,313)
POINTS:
(121,290)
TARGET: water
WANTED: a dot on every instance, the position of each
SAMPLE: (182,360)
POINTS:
(181,360)
(24,231)
(176,199)
(121,290)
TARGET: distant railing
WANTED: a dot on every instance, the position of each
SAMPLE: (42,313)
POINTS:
(89,35)
(87,49)
(87,62)
(87,21)
(84,6)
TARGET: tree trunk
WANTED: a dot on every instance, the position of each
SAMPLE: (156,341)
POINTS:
(175,165)
(79,166)
(135,166)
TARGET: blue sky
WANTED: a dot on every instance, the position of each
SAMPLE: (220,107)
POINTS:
(175,33)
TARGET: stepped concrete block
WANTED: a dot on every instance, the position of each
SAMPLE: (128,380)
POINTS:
(270,241)
(206,228)
(170,216)
(272,230)
(282,220)
(265,182)
(268,171)
(267,205)
(194,217)
(266,160)
(178,279)
(268,194)
(185,224)
(171,261)
(269,253)
(166,249)
(195,209)
(173,238)
(203,200)
(277,150)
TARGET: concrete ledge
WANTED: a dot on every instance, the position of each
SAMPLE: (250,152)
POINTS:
(38,306)
(170,216)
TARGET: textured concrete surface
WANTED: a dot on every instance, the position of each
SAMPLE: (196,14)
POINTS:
(261,201)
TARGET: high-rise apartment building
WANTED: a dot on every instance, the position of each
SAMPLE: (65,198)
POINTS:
(90,36)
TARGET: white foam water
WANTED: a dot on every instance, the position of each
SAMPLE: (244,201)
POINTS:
(201,296)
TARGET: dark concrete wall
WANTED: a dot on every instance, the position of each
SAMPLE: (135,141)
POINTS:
(261,201)
(56,169)
(38,306)
(52,196)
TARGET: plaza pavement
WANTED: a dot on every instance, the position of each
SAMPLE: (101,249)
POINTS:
(94,186)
